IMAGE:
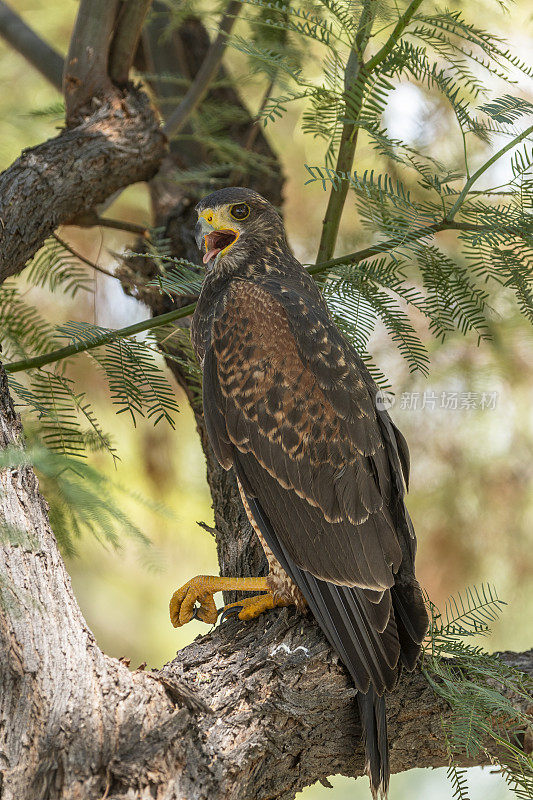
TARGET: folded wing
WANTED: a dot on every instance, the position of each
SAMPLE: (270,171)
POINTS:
(289,404)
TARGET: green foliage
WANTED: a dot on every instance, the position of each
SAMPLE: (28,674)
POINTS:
(137,383)
(67,422)
(54,267)
(445,54)
(24,331)
(54,111)
(177,276)
(478,687)
(458,780)
(439,51)
(361,294)
(81,500)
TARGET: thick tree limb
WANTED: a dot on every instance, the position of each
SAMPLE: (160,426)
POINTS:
(120,143)
(26,42)
(248,712)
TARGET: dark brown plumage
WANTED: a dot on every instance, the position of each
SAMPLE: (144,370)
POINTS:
(289,405)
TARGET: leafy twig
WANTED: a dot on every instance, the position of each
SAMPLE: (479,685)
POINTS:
(81,258)
(484,167)
(354,81)
(98,341)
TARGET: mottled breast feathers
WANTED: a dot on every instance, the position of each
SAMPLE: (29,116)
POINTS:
(285,394)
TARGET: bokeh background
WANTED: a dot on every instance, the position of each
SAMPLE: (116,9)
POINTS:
(471,497)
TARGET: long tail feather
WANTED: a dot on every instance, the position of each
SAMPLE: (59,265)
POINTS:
(374,724)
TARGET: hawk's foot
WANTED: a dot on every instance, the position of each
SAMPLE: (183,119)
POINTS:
(252,607)
(201,590)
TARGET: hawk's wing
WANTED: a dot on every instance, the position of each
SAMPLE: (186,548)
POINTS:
(289,406)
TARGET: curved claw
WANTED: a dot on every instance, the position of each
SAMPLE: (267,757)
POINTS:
(226,613)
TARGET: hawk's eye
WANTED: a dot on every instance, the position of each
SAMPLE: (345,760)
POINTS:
(240,211)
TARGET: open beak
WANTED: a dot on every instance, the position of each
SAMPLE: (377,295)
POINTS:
(212,242)
(216,241)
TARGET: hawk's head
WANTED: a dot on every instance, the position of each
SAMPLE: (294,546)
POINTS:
(235,225)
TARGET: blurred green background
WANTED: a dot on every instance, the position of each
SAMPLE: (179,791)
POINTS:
(471,495)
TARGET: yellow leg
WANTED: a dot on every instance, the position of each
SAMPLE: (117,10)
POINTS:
(252,607)
(201,589)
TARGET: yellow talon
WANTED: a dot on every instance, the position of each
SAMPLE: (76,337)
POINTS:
(183,602)
(201,589)
(252,607)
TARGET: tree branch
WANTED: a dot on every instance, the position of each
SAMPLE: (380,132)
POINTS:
(399,28)
(124,46)
(82,258)
(248,712)
(91,220)
(205,74)
(85,73)
(357,73)
(99,341)
(49,185)
(405,238)
(354,81)
(26,42)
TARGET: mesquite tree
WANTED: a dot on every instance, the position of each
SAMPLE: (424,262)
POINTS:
(278,712)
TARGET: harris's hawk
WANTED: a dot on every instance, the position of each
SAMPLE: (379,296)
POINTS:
(322,470)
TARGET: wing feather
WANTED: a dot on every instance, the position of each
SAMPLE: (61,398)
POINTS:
(343,613)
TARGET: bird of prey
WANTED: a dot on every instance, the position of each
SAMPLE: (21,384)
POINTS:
(322,470)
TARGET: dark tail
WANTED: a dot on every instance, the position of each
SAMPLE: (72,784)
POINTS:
(374,724)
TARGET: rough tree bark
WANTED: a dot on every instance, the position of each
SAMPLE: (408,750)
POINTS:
(118,144)
(249,711)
